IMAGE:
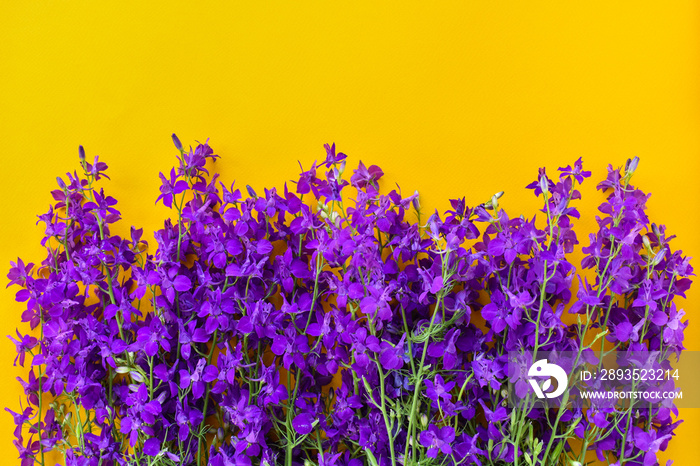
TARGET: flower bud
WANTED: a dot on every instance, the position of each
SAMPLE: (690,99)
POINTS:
(424,420)
(631,166)
(61,183)
(122,370)
(659,257)
(367,385)
(504,393)
(81,153)
(544,184)
(177,143)
(647,244)
(220,434)
(137,376)
(68,417)
(415,201)
(251,191)
(341,169)
(499,194)
(323,210)
(494,201)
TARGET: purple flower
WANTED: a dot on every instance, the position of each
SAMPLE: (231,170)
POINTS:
(366,176)
(170,188)
(20,419)
(271,391)
(151,447)
(390,355)
(331,157)
(577,172)
(23,344)
(648,442)
(19,273)
(446,349)
(290,346)
(171,283)
(187,419)
(198,378)
(487,371)
(439,390)
(499,313)
(437,440)
(303,423)
(307,180)
(151,337)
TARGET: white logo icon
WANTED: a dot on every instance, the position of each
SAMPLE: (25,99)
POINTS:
(542,368)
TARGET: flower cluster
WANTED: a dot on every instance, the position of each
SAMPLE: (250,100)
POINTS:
(295,327)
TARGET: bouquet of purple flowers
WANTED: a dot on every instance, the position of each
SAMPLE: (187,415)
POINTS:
(314,326)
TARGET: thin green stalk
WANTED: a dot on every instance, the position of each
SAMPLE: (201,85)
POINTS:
(418,381)
(315,295)
(41,390)
(384,415)
(206,400)
(290,410)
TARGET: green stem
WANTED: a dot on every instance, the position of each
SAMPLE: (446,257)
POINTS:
(384,415)
(206,400)
(315,295)
(290,411)
(416,389)
(41,391)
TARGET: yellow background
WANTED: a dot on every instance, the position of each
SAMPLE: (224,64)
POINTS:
(458,98)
